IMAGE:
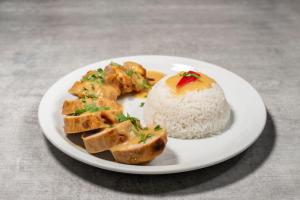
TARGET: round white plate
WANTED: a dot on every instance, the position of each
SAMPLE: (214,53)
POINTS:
(247,122)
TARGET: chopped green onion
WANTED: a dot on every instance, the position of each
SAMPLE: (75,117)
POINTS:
(121,117)
(145,84)
(186,74)
(90,108)
(115,64)
(136,132)
(157,128)
(100,70)
(144,138)
(79,111)
(91,95)
(130,72)
(135,122)
(97,76)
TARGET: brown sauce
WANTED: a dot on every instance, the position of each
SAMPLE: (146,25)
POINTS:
(155,76)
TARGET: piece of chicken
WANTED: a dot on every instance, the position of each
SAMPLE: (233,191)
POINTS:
(97,108)
(90,121)
(138,68)
(129,78)
(70,106)
(107,138)
(116,76)
(94,90)
(138,151)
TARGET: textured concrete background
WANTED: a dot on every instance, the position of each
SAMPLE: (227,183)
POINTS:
(40,41)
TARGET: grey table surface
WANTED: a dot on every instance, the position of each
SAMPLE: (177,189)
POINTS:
(40,41)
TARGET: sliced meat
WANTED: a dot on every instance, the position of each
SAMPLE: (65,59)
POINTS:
(139,83)
(138,76)
(70,106)
(136,152)
(107,138)
(97,109)
(138,68)
(94,90)
(116,76)
(128,78)
(89,121)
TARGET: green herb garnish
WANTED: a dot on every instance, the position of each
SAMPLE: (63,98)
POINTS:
(115,64)
(97,76)
(136,132)
(90,108)
(144,137)
(145,84)
(142,104)
(94,108)
(91,95)
(186,74)
(100,70)
(157,128)
(136,122)
(79,111)
(88,94)
(130,72)
(121,117)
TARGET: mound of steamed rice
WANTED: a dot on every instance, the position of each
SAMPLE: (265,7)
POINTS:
(196,114)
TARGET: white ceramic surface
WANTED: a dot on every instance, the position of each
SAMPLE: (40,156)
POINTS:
(247,120)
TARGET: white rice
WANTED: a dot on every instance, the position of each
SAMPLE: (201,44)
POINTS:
(196,114)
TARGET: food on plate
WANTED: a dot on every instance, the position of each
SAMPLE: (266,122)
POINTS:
(129,78)
(143,145)
(92,85)
(153,77)
(74,107)
(87,114)
(188,105)
(99,118)
(128,141)
(93,118)
(141,149)
(107,138)
(129,65)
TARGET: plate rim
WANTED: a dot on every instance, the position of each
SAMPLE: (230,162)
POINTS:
(135,169)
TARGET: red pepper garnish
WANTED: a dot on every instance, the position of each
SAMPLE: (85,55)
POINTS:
(188,77)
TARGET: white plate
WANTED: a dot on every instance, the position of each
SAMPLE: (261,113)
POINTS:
(248,119)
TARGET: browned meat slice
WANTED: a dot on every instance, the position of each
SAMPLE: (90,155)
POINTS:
(129,78)
(89,121)
(116,76)
(70,106)
(97,109)
(114,105)
(138,76)
(86,122)
(139,150)
(94,90)
(135,67)
(107,138)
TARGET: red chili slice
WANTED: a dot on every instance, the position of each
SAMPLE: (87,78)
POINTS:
(187,79)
